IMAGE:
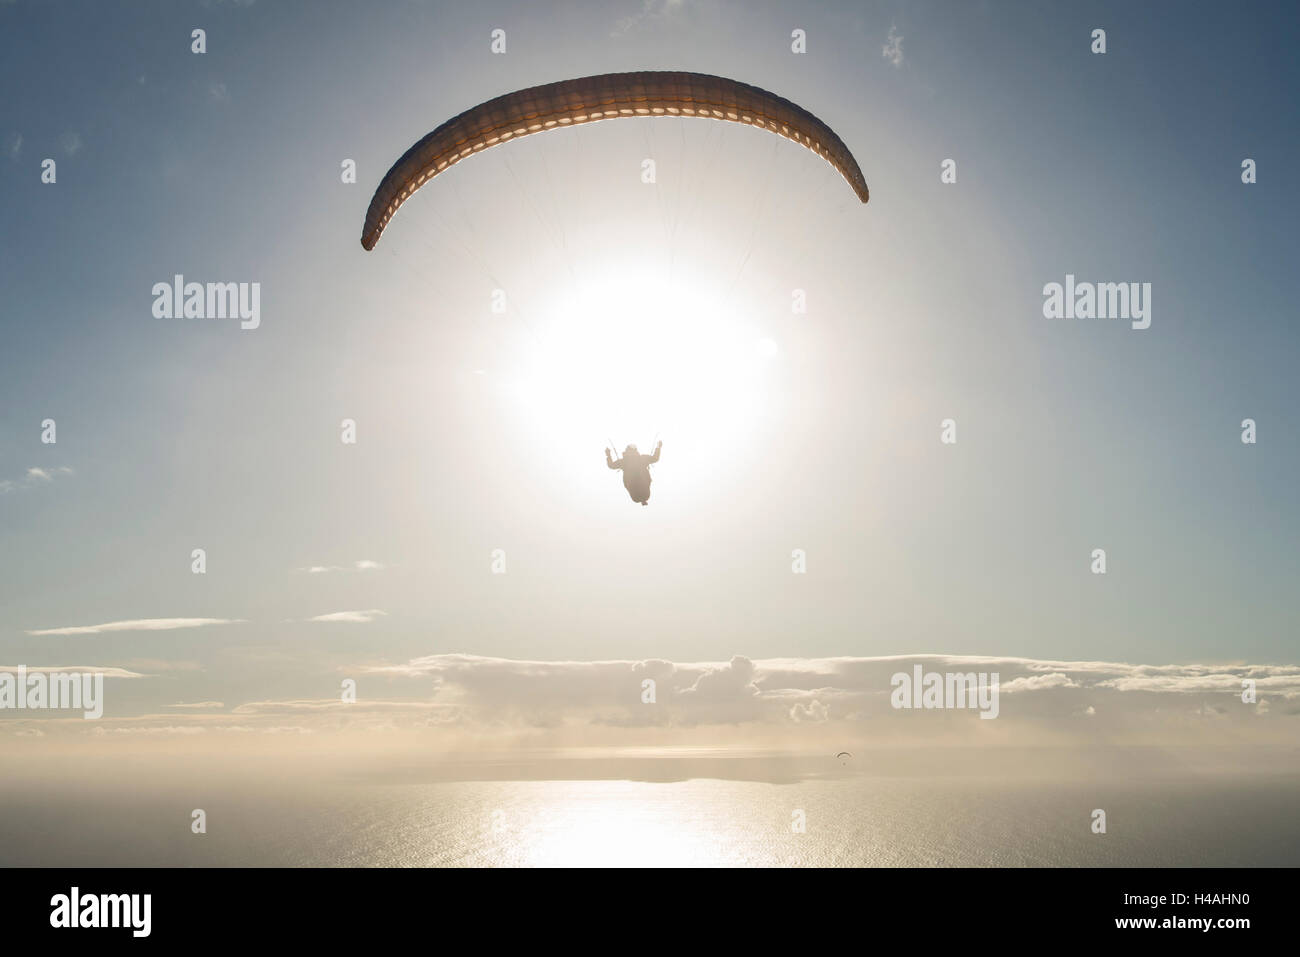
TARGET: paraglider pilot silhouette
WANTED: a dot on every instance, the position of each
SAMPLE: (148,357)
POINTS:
(636,471)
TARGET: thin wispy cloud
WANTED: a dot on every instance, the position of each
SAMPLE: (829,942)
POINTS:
(34,477)
(71,142)
(107,671)
(137,624)
(184,724)
(159,664)
(650,10)
(165,729)
(364,565)
(328,704)
(15,148)
(351,617)
(893,50)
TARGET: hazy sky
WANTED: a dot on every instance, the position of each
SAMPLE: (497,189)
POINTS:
(638,309)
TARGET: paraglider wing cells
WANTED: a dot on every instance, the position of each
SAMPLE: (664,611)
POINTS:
(586,100)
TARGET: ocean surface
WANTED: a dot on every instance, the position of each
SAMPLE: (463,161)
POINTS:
(853,820)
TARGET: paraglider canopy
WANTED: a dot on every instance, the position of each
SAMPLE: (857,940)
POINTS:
(605,97)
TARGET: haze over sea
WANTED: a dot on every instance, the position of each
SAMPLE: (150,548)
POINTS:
(655,812)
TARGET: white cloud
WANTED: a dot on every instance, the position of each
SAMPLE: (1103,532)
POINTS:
(33,477)
(802,691)
(893,50)
(813,711)
(351,617)
(108,671)
(71,142)
(139,624)
(1038,683)
(650,10)
(150,729)
(734,678)
(815,705)
(363,565)
(329,704)
(159,664)
(15,146)
(1199,679)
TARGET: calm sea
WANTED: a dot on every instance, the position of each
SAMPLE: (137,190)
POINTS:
(850,820)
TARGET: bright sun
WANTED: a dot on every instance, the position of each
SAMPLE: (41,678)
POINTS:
(625,358)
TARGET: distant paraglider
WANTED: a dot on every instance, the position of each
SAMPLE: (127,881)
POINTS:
(606,97)
(844,757)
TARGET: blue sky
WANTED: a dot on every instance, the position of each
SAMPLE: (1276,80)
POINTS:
(1073,435)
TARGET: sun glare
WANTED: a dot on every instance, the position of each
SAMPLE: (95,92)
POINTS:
(626,358)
